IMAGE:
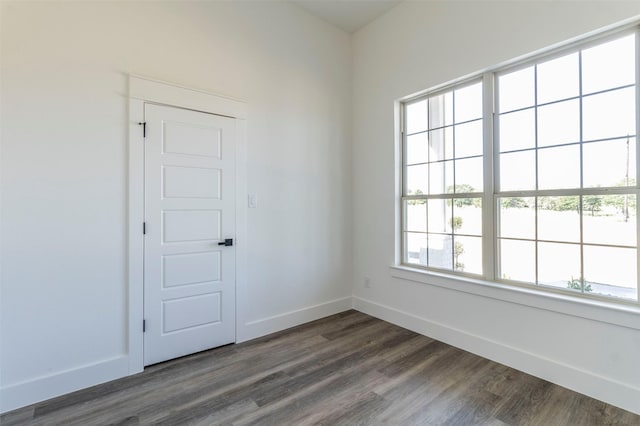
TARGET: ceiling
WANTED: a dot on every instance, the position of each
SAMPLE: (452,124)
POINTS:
(350,15)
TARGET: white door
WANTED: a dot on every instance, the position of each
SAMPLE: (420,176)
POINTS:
(189,276)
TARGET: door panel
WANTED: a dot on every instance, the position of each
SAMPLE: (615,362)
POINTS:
(191,268)
(191,182)
(189,280)
(190,312)
(182,226)
(185,138)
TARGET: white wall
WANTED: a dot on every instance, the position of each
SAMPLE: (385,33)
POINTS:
(415,46)
(64,170)
(64,161)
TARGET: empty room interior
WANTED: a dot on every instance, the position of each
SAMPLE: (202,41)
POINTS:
(319,212)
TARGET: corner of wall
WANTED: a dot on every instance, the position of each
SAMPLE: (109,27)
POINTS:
(254,329)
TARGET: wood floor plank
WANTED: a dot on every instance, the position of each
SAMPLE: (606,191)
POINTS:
(522,406)
(323,395)
(363,410)
(346,369)
(204,383)
(161,373)
(17,417)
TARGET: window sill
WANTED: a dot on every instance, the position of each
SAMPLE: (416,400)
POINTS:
(596,310)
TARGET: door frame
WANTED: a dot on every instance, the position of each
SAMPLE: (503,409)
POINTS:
(144,90)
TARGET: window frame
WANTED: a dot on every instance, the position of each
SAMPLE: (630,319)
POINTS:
(461,84)
(491,162)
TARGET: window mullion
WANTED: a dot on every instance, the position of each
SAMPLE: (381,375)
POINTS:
(581,198)
(401,243)
(489,239)
(636,191)
(537,171)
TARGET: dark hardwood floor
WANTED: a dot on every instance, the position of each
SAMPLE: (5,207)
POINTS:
(347,369)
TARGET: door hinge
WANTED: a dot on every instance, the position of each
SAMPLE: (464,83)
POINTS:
(144,128)
(144,325)
(144,228)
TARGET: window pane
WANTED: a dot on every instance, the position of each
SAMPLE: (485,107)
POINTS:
(610,163)
(415,248)
(441,110)
(441,251)
(469,139)
(559,218)
(467,252)
(559,167)
(559,123)
(468,103)
(518,171)
(558,264)
(440,177)
(441,144)
(417,149)
(416,179)
(416,117)
(518,260)
(610,219)
(611,271)
(609,65)
(469,175)
(558,79)
(517,217)
(517,130)
(467,216)
(439,215)
(415,215)
(516,90)
(609,115)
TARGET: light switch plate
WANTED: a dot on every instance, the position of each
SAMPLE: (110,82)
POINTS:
(253,201)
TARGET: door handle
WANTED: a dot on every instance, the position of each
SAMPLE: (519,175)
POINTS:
(227,242)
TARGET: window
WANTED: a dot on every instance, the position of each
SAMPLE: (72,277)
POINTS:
(444,180)
(557,138)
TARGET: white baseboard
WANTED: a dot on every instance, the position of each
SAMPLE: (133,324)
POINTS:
(264,326)
(605,389)
(45,387)
(42,388)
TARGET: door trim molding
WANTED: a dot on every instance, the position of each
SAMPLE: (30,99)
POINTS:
(150,90)
(143,90)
